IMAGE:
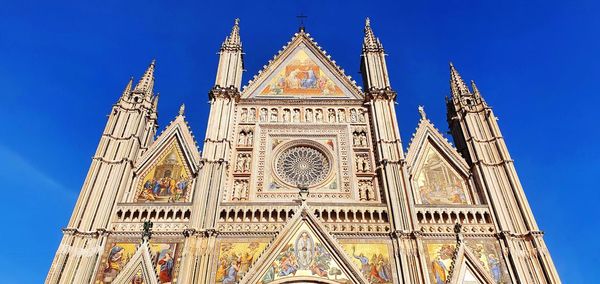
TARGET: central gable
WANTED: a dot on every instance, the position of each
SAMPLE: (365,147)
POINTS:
(302,70)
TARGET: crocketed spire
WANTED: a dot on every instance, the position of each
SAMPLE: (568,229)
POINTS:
(233,41)
(146,83)
(457,85)
(370,42)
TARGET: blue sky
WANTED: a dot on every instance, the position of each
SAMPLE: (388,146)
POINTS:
(63,65)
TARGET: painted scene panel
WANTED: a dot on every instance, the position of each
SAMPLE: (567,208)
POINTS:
(489,254)
(169,180)
(235,260)
(439,260)
(438,182)
(301,76)
(304,255)
(118,254)
(137,278)
(373,260)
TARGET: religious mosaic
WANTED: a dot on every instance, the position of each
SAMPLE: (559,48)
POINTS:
(488,252)
(301,76)
(137,278)
(438,182)
(373,260)
(304,255)
(169,180)
(118,254)
(439,260)
(235,260)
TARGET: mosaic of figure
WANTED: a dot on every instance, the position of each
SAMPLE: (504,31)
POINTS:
(168,181)
(306,256)
(373,260)
(137,278)
(235,260)
(301,76)
(439,258)
(438,183)
(488,253)
(162,255)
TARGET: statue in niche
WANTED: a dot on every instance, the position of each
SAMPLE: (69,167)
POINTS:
(370,191)
(286,115)
(362,163)
(355,139)
(252,115)
(249,138)
(264,113)
(361,116)
(244,190)
(308,115)
(296,115)
(362,191)
(353,116)
(246,163)
(319,115)
(362,139)
(244,115)
(242,138)
(341,115)
(237,189)
(239,165)
(331,115)
(273,115)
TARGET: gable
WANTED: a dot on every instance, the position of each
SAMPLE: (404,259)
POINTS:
(439,175)
(304,252)
(302,70)
(166,171)
(468,269)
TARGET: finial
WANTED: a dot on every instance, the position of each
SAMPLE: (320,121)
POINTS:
(182,109)
(474,88)
(301,19)
(367,22)
(422,112)
(370,41)
(451,65)
(236,21)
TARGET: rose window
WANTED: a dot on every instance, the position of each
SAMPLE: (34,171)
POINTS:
(302,166)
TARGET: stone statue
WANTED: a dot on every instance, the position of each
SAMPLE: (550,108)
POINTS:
(244,115)
(252,115)
(250,138)
(342,115)
(361,116)
(319,115)
(308,117)
(242,138)
(286,115)
(274,115)
(263,115)
(296,115)
(331,115)
(353,117)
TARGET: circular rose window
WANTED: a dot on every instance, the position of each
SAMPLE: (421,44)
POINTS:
(302,166)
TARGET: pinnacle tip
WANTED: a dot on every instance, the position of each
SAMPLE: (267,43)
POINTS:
(368,22)
(236,21)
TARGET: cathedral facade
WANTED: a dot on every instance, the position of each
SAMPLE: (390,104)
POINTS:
(302,178)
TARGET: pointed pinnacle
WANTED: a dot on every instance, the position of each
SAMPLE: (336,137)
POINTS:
(370,42)
(233,40)
(146,83)
(474,88)
(457,85)
(181,109)
(127,90)
(422,112)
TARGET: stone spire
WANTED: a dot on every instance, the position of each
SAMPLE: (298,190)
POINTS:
(146,83)
(231,63)
(474,89)
(457,85)
(370,42)
(373,66)
(233,41)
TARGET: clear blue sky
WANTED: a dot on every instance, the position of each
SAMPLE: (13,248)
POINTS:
(63,65)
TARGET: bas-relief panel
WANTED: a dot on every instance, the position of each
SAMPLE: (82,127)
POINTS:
(301,76)
(438,182)
(164,258)
(373,260)
(235,259)
(168,180)
(439,259)
(304,255)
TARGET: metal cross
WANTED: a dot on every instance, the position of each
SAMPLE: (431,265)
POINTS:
(301,18)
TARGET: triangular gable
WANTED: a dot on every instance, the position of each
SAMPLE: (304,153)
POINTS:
(466,269)
(139,268)
(438,173)
(302,70)
(172,156)
(304,251)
